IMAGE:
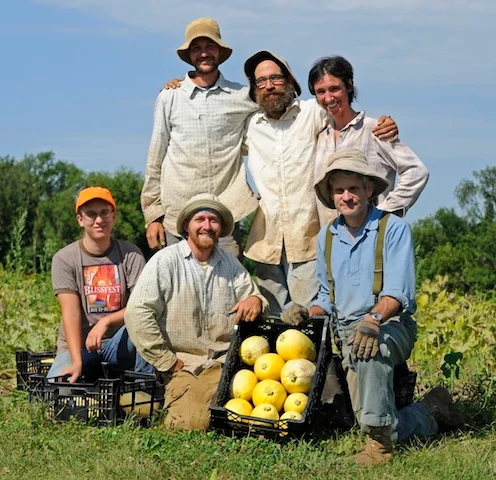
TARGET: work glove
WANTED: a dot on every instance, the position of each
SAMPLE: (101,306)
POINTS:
(294,315)
(366,341)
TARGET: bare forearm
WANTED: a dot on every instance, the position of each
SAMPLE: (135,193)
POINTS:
(114,319)
(387,307)
(73,337)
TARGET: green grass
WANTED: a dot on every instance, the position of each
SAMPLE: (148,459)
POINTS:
(36,448)
(33,447)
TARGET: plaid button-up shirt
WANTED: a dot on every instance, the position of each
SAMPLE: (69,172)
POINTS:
(196,148)
(179,310)
(406,173)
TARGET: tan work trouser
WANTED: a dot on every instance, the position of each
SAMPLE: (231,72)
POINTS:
(187,399)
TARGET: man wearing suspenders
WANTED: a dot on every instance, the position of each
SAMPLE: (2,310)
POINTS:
(365,267)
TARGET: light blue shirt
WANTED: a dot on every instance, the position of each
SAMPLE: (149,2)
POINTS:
(353,263)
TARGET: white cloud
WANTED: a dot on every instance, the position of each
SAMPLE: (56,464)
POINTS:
(409,41)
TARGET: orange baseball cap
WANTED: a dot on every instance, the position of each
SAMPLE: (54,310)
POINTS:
(91,193)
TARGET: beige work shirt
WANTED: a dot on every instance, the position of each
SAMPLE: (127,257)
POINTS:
(178,309)
(196,148)
(280,160)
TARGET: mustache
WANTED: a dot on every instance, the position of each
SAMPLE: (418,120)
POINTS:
(266,94)
(202,59)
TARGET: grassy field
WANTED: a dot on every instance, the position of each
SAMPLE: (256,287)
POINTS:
(33,447)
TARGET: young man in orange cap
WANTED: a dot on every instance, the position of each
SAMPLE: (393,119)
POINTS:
(92,279)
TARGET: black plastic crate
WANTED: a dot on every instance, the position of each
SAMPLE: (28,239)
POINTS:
(98,403)
(29,363)
(232,424)
(140,394)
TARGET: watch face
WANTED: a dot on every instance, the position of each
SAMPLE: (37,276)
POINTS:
(376,316)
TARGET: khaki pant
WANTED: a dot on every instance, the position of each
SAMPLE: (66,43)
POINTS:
(187,399)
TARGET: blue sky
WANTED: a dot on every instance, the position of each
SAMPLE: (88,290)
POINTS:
(80,77)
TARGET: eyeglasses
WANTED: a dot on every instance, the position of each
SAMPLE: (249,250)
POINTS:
(91,215)
(276,79)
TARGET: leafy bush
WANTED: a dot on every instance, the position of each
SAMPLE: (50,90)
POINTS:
(29,316)
(451,324)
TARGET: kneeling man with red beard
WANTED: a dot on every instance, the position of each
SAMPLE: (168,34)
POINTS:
(183,309)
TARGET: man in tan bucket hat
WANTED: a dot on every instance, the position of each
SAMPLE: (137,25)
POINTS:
(196,140)
(183,309)
(203,28)
(372,312)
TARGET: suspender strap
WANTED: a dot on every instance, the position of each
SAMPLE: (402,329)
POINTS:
(328,252)
(378,267)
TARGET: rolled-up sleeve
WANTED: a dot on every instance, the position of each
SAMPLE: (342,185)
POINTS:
(399,266)
(322,299)
(412,175)
(244,285)
(147,304)
(150,195)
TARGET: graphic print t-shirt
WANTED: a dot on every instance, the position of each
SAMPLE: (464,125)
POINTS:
(102,288)
(102,283)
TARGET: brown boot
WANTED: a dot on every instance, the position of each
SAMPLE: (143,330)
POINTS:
(440,405)
(378,448)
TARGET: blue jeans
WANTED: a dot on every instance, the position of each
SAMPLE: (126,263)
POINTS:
(370,382)
(118,352)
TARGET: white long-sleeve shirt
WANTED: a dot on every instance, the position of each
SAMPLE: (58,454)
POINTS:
(281,162)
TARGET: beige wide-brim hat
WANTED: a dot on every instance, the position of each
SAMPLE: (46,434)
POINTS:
(203,27)
(252,63)
(206,201)
(348,160)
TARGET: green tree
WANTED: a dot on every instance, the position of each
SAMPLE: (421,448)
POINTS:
(33,185)
(46,189)
(463,248)
(478,197)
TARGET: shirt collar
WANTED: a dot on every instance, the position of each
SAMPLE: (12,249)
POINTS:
(354,121)
(371,222)
(186,252)
(290,113)
(190,87)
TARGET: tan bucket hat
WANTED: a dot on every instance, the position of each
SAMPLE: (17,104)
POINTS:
(203,27)
(256,58)
(206,201)
(348,160)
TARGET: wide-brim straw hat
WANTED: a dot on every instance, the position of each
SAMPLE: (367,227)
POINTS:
(348,160)
(206,201)
(204,27)
(252,63)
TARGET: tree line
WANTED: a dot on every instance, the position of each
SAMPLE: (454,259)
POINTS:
(37,195)
(462,247)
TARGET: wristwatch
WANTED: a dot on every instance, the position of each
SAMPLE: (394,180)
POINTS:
(376,316)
